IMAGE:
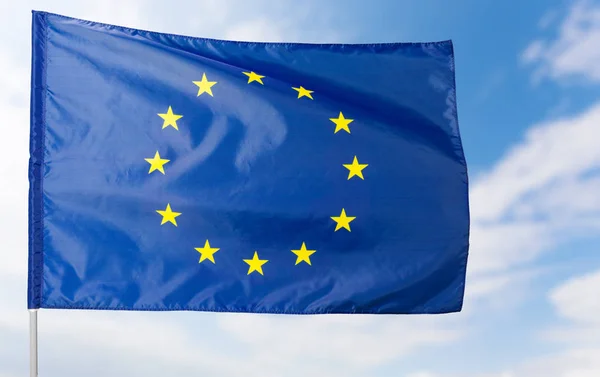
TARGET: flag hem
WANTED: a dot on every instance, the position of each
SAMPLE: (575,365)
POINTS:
(39,37)
(249,42)
(448,310)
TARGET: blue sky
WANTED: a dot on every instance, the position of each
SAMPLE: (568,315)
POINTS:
(528,93)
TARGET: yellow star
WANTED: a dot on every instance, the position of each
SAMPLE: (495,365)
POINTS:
(255,264)
(303,254)
(341,123)
(355,169)
(205,86)
(342,221)
(253,77)
(156,163)
(170,119)
(207,252)
(168,215)
(303,92)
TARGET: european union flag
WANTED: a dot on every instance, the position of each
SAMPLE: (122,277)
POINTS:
(178,173)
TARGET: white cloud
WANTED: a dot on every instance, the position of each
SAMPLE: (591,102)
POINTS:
(583,362)
(553,151)
(578,299)
(358,342)
(533,52)
(15,152)
(574,52)
(538,195)
(260,29)
(572,198)
(206,343)
(422,374)
(578,302)
(543,192)
(548,19)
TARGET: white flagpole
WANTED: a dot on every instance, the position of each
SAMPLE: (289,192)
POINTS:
(33,352)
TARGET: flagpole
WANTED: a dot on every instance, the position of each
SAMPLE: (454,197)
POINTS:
(33,352)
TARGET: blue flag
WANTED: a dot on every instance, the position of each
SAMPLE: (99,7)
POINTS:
(178,173)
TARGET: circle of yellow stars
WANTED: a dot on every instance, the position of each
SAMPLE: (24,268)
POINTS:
(207,252)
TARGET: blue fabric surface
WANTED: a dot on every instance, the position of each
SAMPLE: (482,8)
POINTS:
(331,178)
